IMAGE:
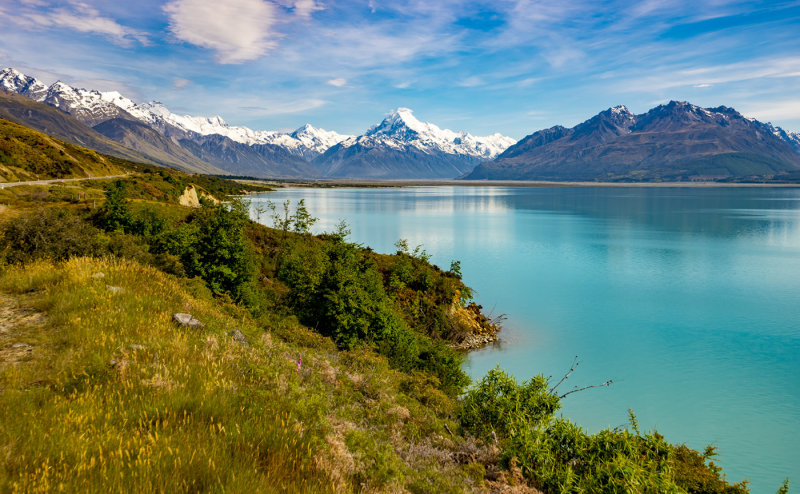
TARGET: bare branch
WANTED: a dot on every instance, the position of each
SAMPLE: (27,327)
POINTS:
(575,364)
(607,383)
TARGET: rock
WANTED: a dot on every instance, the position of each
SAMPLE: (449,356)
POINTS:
(186,320)
(189,197)
(137,347)
(22,346)
(114,289)
(239,337)
(98,276)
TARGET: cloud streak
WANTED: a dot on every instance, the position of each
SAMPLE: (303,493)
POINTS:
(77,16)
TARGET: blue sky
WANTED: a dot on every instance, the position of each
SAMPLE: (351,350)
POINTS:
(511,66)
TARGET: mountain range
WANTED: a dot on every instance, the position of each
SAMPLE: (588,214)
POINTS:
(399,147)
(677,141)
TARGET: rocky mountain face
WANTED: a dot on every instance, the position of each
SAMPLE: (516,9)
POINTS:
(399,147)
(248,159)
(14,81)
(673,142)
(55,123)
(403,147)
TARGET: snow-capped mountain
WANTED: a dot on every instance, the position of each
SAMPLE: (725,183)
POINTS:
(403,147)
(677,141)
(87,105)
(93,107)
(14,81)
(401,128)
(307,141)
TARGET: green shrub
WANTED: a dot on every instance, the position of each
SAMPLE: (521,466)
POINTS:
(499,404)
(336,288)
(49,233)
(115,213)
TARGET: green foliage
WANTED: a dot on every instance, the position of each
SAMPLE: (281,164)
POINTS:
(559,456)
(115,213)
(337,289)
(52,233)
(695,473)
(498,404)
(211,244)
(302,219)
(455,269)
(284,220)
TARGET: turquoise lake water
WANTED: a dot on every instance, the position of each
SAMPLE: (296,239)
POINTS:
(688,298)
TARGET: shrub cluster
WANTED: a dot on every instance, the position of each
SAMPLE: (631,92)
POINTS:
(559,456)
(336,288)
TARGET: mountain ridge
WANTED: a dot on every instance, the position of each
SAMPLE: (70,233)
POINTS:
(677,141)
(399,147)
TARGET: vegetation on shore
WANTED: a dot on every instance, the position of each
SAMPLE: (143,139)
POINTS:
(321,365)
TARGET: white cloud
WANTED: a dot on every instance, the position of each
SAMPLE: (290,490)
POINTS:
(278,107)
(304,8)
(180,83)
(237,30)
(80,17)
(773,110)
(338,82)
(763,68)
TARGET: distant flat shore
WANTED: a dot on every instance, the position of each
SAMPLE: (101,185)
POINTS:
(324,183)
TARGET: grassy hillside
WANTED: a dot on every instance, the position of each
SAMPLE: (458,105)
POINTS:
(29,155)
(55,123)
(320,366)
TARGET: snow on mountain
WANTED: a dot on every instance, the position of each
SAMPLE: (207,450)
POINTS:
(307,141)
(87,105)
(94,107)
(14,81)
(401,128)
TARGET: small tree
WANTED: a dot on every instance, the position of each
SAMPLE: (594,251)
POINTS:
(302,219)
(115,213)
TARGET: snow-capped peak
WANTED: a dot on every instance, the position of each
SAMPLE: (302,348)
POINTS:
(620,109)
(402,121)
(401,128)
(15,81)
(117,99)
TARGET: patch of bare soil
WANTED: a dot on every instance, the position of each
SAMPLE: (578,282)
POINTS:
(13,320)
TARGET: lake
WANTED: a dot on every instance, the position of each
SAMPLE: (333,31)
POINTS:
(688,298)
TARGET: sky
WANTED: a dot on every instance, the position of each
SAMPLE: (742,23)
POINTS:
(507,66)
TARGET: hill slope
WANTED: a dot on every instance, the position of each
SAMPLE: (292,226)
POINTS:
(29,155)
(673,142)
(55,123)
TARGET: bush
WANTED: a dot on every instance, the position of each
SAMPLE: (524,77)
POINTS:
(499,404)
(559,456)
(115,213)
(335,287)
(49,233)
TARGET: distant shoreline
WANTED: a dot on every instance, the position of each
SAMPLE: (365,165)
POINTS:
(366,183)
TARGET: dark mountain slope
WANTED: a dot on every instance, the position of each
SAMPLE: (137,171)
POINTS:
(673,142)
(155,146)
(258,160)
(384,162)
